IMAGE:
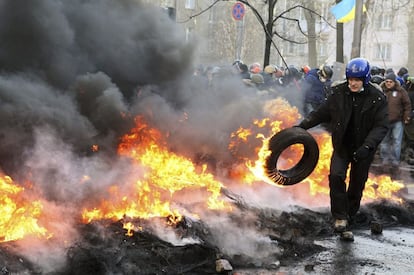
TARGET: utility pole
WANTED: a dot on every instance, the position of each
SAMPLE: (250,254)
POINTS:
(356,43)
(339,64)
(239,38)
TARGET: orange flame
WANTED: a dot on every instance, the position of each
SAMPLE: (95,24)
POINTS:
(130,227)
(18,216)
(95,148)
(165,174)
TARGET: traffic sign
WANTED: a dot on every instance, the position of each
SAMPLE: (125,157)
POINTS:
(238,11)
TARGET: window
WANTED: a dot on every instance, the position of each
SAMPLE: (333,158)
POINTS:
(383,51)
(291,48)
(323,49)
(188,34)
(384,21)
(294,49)
(301,49)
(190,4)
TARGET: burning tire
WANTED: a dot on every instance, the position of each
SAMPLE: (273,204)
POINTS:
(281,141)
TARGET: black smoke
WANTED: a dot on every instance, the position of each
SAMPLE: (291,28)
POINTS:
(76,66)
(86,68)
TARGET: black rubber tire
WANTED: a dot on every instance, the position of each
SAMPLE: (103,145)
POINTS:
(282,140)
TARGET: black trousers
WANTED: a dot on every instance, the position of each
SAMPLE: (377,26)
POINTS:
(346,201)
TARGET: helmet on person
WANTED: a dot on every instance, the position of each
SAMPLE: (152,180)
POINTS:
(305,69)
(237,62)
(358,68)
(375,70)
(402,71)
(377,78)
(292,72)
(325,71)
(270,69)
(255,68)
(257,79)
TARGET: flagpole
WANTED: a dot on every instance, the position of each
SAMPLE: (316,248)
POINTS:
(339,41)
(356,43)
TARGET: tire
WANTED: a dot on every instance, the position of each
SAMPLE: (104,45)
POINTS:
(281,141)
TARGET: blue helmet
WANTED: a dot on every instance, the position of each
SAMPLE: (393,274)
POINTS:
(358,68)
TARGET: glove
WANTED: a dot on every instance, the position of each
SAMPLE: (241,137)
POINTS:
(362,153)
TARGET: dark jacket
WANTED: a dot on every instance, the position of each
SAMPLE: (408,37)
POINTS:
(370,127)
(313,88)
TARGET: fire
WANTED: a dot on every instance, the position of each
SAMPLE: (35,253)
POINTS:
(382,187)
(376,187)
(130,227)
(241,133)
(95,148)
(281,115)
(166,173)
(18,215)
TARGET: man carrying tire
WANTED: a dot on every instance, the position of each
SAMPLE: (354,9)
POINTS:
(356,111)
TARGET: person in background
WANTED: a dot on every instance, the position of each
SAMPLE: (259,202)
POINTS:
(357,112)
(400,75)
(256,80)
(376,75)
(388,71)
(288,86)
(280,72)
(244,71)
(314,88)
(399,110)
(241,69)
(268,76)
(305,69)
(236,65)
(255,68)
(408,138)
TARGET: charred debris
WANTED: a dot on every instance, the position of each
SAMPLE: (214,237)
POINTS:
(105,248)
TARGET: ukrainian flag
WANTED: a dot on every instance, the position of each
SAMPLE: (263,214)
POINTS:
(344,11)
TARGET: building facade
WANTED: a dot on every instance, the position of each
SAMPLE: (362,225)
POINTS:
(386,38)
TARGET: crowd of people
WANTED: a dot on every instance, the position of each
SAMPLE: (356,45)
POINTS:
(313,86)
(398,144)
(307,88)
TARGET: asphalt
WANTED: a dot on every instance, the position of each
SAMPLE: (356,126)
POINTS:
(389,253)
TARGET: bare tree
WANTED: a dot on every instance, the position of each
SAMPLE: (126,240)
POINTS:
(312,54)
(270,30)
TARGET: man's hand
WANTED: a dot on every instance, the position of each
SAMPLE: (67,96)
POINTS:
(362,153)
